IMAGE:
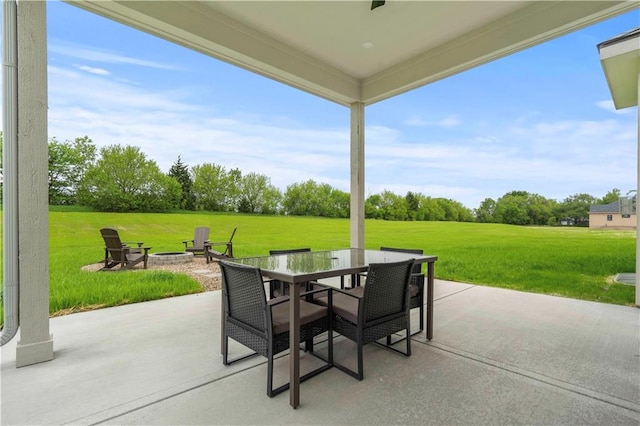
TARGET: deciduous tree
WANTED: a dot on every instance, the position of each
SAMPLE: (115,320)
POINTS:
(611,196)
(257,195)
(123,180)
(68,162)
(485,213)
(212,188)
(576,207)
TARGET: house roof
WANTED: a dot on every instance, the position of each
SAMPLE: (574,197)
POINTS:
(620,59)
(613,207)
(344,51)
(619,38)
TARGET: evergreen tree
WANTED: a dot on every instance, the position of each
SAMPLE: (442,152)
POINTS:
(180,172)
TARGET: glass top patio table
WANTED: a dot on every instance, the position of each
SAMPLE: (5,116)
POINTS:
(301,267)
(308,266)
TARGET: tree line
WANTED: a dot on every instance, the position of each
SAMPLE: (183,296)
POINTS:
(524,208)
(122,179)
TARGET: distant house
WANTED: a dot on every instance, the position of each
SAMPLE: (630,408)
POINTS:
(609,216)
(567,221)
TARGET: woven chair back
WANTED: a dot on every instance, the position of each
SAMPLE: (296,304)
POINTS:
(386,291)
(417,268)
(243,292)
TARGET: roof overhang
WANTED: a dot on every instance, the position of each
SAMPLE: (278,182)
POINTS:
(620,59)
(317,46)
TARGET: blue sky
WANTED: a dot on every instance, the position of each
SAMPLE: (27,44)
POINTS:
(541,120)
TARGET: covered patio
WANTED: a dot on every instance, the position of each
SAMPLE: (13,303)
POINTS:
(497,357)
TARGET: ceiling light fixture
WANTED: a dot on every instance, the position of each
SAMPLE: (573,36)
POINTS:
(376,3)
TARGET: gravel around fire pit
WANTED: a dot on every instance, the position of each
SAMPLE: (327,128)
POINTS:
(207,274)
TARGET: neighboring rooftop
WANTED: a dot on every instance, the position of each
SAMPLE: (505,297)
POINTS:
(613,207)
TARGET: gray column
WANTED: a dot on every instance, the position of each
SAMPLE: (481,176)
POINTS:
(637,196)
(35,344)
(357,175)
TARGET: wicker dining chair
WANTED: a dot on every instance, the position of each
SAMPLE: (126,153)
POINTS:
(263,326)
(416,284)
(279,288)
(375,311)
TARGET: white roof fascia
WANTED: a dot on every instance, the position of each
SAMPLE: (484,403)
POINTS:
(234,43)
(524,28)
(620,62)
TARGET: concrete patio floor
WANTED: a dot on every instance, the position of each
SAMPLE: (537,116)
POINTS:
(497,357)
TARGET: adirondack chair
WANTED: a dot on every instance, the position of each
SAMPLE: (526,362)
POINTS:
(120,253)
(200,237)
(211,254)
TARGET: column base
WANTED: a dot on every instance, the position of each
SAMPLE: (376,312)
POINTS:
(34,353)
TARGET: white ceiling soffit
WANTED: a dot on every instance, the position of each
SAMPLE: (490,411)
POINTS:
(317,46)
(620,59)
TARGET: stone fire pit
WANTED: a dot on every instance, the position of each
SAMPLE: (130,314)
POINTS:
(169,258)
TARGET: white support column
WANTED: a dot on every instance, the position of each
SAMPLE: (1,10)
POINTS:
(637,196)
(357,175)
(35,344)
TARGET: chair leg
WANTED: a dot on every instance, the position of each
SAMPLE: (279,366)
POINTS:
(389,343)
(225,352)
(330,342)
(270,374)
(408,335)
(360,375)
(225,349)
(273,392)
(308,345)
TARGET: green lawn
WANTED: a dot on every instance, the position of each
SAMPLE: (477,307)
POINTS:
(569,262)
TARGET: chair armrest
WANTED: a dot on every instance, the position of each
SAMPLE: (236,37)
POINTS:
(348,293)
(417,279)
(282,299)
(325,288)
(124,249)
(328,287)
(277,300)
(316,283)
(139,243)
(217,243)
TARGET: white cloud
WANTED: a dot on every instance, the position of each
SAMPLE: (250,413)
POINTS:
(93,70)
(79,51)
(608,105)
(163,126)
(446,122)
(552,158)
(99,94)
